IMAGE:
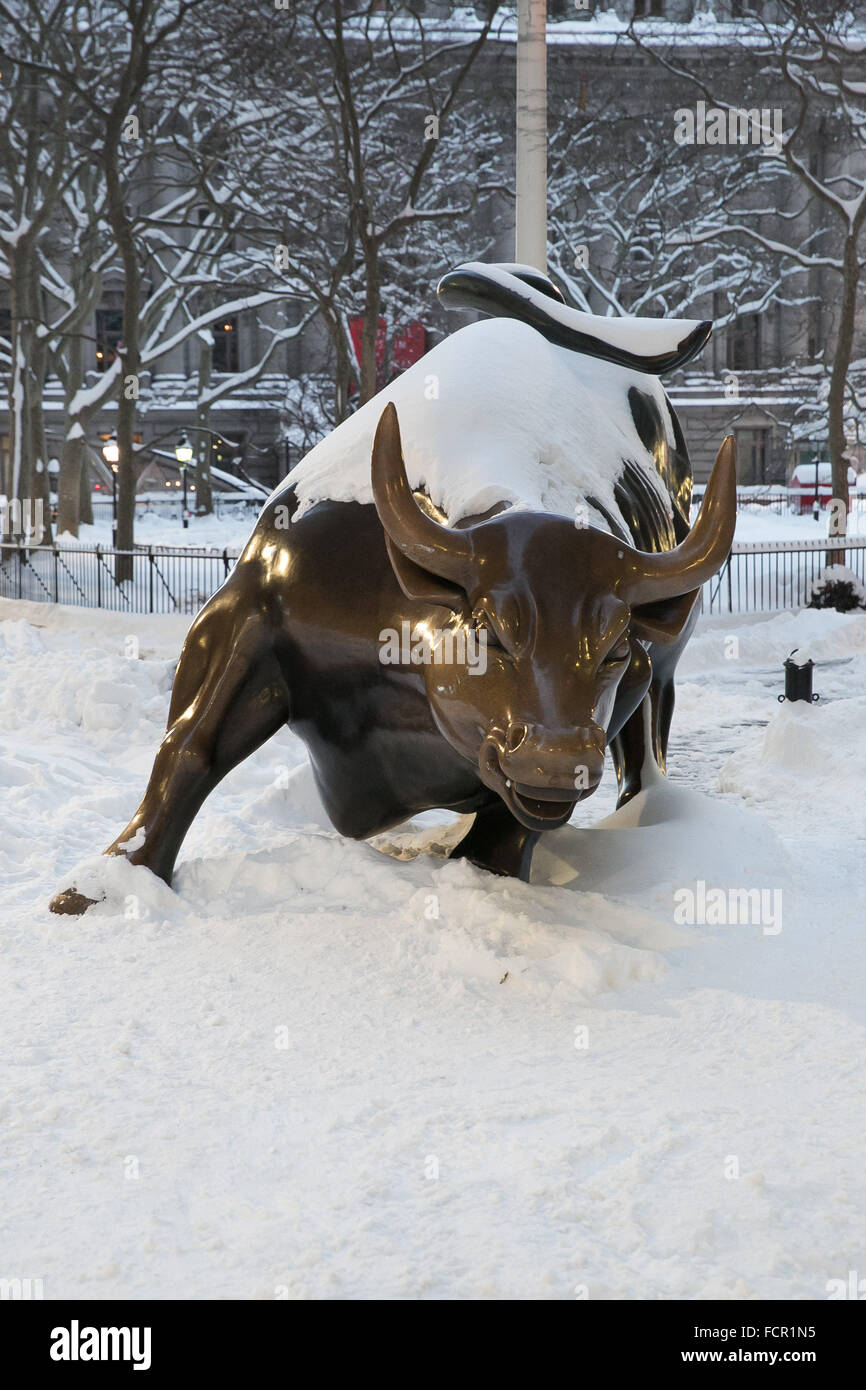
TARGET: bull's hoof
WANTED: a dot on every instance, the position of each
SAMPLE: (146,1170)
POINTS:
(70,903)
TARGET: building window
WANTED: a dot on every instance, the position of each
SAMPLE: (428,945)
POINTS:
(753,455)
(744,343)
(109,332)
(225,346)
(646,9)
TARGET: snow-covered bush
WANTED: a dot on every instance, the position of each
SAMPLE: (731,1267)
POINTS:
(837,587)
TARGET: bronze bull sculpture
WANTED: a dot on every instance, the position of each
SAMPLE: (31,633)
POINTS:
(582,621)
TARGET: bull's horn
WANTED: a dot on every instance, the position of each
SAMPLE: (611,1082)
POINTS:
(436,548)
(651,578)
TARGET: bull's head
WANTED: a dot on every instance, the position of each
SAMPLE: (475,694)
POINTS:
(563,611)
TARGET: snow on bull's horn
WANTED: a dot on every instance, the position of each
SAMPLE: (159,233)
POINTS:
(646,578)
(649,578)
(440,549)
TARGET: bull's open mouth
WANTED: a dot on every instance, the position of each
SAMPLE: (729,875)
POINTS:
(539,808)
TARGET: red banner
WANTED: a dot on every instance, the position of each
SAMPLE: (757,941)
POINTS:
(410,344)
(356,328)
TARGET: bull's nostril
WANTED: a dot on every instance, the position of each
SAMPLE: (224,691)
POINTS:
(516,735)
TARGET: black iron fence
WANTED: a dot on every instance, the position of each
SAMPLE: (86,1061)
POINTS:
(165,579)
(763,576)
(759,577)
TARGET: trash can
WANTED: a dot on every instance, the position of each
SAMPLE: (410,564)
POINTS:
(798,680)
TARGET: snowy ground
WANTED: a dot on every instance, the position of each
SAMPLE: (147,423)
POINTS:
(153,528)
(233,531)
(317,1070)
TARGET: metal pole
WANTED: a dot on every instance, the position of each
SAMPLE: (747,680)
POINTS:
(185,511)
(530,242)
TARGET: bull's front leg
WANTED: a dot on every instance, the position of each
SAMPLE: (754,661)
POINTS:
(499,843)
(229,696)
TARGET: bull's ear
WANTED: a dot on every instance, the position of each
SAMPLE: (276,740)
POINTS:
(419,583)
(665,620)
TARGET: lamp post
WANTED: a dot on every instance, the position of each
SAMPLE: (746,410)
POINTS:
(530,238)
(183,452)
(111,454)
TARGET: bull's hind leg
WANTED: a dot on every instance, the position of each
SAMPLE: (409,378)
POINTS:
(229,696)
(644,735)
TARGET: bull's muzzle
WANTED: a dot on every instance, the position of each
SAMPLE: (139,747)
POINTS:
(541,775)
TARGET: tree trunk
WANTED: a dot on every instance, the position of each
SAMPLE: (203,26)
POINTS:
(121,220)
(19,416)
(203,452)
(342,364)
(40,483)
(28,481)
(85,504)
(839,461)
(19,449)
(72,456)
(372,301)
(202,440)
(130,354)
(69,485)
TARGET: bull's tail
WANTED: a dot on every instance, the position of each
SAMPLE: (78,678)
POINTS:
(519,292)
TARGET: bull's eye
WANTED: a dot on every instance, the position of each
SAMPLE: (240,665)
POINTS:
(480,623)
(619,653)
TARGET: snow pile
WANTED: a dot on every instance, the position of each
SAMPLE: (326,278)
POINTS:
(557,427)
(780,765)
(837,587)
(318,1068)
(668,835)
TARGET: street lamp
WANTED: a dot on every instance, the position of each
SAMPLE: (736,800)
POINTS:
(183,453)
(111,454)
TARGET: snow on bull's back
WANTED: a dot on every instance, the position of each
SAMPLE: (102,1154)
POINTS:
(493,413)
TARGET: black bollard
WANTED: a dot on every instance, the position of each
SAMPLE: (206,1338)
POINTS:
(798,680)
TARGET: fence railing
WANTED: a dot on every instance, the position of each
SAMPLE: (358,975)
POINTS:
(759,577)
(165,579)
(763,576)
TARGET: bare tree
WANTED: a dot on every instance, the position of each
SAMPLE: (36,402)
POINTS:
(36,167)
(810,55)
(375,166)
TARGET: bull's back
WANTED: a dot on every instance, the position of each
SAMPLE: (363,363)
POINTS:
(328,570)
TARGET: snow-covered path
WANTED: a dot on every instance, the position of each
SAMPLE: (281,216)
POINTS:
(315,1070)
